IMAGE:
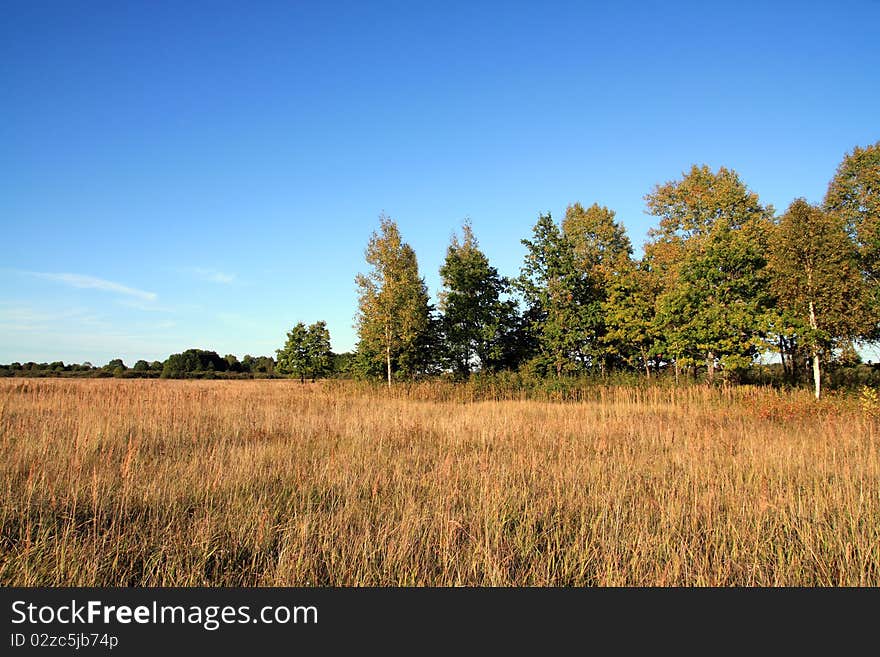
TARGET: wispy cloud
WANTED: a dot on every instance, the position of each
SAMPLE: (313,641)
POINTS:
(92,282)
(211,275)
(26,318)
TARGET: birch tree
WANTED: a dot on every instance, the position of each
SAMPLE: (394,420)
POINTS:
(393,309)
(854,196)
(817,283)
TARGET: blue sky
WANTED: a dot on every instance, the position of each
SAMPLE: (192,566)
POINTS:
(179,175)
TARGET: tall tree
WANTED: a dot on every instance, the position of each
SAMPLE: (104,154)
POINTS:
(816,280)
(629,311)
(603,252)
(477,322)
(307,351)
(393,311)
(854,195)
(711,249)
(562,303)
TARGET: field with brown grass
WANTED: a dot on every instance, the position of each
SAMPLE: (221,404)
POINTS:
(109,482)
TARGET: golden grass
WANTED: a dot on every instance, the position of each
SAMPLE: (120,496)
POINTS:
(144,482)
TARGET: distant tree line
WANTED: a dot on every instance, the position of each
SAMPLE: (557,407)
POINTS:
(192,363)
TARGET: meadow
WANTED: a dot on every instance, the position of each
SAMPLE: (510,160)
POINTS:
(274,483)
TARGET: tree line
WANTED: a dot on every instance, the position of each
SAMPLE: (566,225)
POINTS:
(192,363)
(723,279)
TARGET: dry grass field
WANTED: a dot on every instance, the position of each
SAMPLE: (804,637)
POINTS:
(140,482)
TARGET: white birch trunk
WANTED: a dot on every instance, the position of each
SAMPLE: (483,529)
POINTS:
(388,353)
(817,371)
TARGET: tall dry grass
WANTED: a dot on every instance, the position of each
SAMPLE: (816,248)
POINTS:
(274,483)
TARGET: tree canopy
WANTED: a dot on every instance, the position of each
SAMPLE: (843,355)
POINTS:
(306,353)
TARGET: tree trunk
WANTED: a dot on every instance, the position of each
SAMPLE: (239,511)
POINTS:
(388,352)
(710,364)
(817,371)
(782,357)
(645,361)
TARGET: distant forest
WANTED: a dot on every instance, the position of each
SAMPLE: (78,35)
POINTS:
(723,281)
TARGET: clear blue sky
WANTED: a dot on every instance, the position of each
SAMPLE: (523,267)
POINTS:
(178,175)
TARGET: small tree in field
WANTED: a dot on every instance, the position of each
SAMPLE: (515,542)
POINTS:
(306,352)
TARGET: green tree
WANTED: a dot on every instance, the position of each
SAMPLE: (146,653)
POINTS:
(854,195)
(114,364)
(307,352)
(562,303)
(822,297)
(629,310)
(192,361)
(393,309)
(603,252)
(476,322)
(344,365)
(264,365)
(599,241)
(710,250)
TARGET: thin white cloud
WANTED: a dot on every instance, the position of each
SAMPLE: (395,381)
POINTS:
(211,275)
(21,318)
(92,282)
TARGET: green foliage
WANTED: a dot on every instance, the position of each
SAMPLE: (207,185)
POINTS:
(603,254)
(344,365)
(600,243)
(478,323)
(710,251)
(393,318)
(854,196)
(307,352)
(631,333)
(812,260)
(192,361)
(564,307)
(822,300)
